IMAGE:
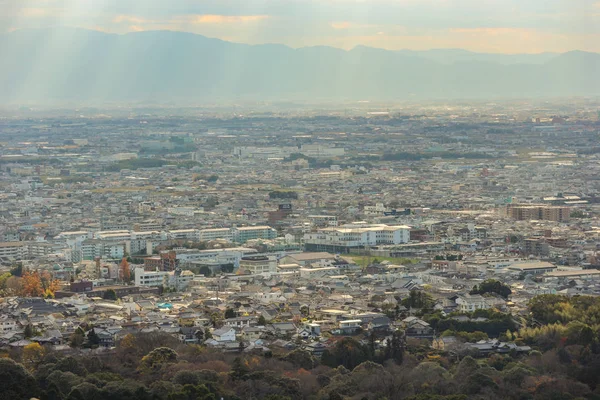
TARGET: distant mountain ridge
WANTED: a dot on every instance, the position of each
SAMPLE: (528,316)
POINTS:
(65,64)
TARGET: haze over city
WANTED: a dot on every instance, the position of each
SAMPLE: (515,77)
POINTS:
(507,26)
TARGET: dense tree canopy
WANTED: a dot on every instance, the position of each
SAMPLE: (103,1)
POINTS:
(492,286)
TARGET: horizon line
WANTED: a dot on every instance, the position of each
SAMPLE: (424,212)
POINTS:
(100,31)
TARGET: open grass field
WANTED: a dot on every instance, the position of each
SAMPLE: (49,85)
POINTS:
(364,261)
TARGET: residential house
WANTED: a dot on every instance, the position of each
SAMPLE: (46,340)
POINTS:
(379,324)
(252,333)
(446,343)
(316,348)
(189,334)
(485,347)
(241,322)
(283,329)
(469,303)
(107,339)
(417,328)
(224,334)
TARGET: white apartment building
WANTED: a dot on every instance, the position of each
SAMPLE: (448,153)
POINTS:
(7,324)
(258,265)
(150,278)
(323,220)
(11,236)
(16,250)
(220,256)
(178,279)
(183,211)
(470,303)
(377,209)
(310,150)
(113,244)
(74,240)
(344,238)
(312,273)
(185,234)
(243,234)
(28,250)
(93,248)
(216,233)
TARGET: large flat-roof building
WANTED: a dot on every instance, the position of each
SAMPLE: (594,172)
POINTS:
(533,267)
(258,265)
(353,236)
(526,212)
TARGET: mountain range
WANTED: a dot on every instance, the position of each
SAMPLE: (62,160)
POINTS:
(68,64)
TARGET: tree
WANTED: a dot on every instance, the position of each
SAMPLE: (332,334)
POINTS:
(13,286)
(158,357)
(62,383)
(125,390)
(72,365)
(125,270)
(110,294)
(301,359)
(93,338)
(85,391)
(227,268)
(418,299)
(347,352)
(3,279)
(17,270)
(283,195)
(492,286)
(38,284)
(397,349)
(77,338)
(577,214)
(239,368)
(200,335)
(305,311)
(17,383)
(32,354)
(32,285)
(230,313)
(28,331)
(262,321)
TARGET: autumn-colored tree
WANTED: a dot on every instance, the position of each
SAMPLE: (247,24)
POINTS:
(38,284)
(13,286)
(32,354)
(125,271)
(128,342)
(32,285)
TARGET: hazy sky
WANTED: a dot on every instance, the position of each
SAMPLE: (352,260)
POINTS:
(499,26)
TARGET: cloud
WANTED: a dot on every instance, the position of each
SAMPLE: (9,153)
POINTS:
(481,25)
(490,31)
(34,12)
(130,20)
(341,25)
(226,19)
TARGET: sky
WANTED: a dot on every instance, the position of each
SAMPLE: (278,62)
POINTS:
(491,26)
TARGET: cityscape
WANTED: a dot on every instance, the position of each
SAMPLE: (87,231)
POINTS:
(254,233)
(299,200)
